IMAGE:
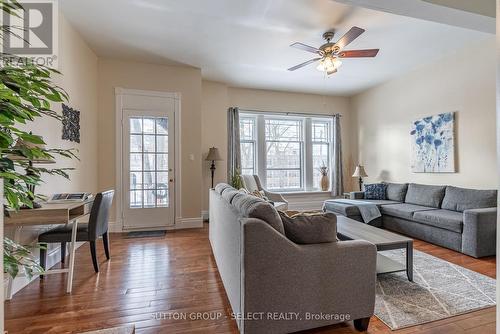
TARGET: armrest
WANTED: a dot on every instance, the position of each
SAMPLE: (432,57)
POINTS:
(275,197)
(479,232)
(281,276)
(357,195)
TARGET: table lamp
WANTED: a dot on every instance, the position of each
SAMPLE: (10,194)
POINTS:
(20,144)
(361,173)
(213,155)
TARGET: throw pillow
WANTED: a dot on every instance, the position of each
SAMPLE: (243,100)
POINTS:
(310,228)
(375,191)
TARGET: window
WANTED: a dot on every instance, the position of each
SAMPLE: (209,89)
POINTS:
(285,151)
(148,162)
(320,149)
(248,140)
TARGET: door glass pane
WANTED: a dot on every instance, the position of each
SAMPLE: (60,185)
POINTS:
(136,199)
(149,176)
(162,162)
(149,180)
(149,161)
(149,198)
(162,197)
(162,144)
(136,125)
(149,125)
(162,126)
(135,161)
(149,143)
(135,180)
(135,143)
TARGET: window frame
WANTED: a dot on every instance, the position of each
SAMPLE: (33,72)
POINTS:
(250,141)
(306,143)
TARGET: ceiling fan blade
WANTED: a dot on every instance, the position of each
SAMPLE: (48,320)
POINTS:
(358,53)
(350,36)
(306,47)
(296,67)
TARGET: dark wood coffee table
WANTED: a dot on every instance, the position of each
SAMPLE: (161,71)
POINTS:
(350,229)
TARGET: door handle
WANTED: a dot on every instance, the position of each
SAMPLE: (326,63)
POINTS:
(171,180)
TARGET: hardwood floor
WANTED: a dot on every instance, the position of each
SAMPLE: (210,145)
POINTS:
(148,278)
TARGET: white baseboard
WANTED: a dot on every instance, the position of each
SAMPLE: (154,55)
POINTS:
(180,223)
(204,215)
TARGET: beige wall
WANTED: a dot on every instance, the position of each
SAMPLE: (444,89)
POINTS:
(217,97)
(184,80)
(463,82)
(78,64)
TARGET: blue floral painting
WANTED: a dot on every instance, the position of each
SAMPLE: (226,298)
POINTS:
(433,144)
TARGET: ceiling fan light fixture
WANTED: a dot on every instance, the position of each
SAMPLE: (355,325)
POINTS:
(329,64)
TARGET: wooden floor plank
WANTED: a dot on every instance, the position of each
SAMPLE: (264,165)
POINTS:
(150,277)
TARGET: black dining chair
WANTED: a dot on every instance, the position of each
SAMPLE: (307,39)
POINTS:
(96,227)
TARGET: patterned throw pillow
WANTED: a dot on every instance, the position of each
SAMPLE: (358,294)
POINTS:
(375,191)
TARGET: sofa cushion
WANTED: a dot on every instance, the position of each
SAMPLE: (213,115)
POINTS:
(396,191)
(307,228)
(253,207)
(375,191)
(350,210)
(229,193)
(446,219)
(425,195)
(344,209)
(219,188)
(403,210)
(379,202)
(461,199)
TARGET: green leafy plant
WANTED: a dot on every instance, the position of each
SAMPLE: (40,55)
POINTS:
(16,256)
(236,180)
(27,93)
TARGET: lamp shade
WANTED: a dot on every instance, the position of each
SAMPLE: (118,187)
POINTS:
(24,144)
(213,154)
(360,172)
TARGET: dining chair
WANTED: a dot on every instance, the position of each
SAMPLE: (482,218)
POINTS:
(95,228)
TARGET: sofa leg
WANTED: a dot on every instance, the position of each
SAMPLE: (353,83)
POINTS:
(362,324)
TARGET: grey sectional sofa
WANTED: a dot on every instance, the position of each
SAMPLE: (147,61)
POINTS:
(277,286)
(457,218)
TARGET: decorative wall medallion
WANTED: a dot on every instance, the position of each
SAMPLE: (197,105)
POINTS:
(71,124)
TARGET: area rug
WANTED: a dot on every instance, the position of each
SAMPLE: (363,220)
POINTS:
(439,290)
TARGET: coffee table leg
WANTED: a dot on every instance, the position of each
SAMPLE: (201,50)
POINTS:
(409,261)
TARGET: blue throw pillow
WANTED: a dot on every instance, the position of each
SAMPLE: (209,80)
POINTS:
(375,191)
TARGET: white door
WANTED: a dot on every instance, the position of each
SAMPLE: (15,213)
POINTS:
(148,167)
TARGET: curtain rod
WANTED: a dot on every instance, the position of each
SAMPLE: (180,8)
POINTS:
(285,113)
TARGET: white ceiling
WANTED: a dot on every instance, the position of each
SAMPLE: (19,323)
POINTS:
(245,43)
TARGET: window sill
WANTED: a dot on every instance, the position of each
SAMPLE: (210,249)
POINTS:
(301,193)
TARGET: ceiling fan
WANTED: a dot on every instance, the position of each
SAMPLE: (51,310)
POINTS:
(330,53)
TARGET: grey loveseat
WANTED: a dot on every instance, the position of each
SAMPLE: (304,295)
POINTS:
(457,218)
(277,286)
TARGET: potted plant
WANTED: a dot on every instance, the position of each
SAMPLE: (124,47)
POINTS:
(27,93)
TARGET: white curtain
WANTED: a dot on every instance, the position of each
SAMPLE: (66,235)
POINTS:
(233,145)
(337,175)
